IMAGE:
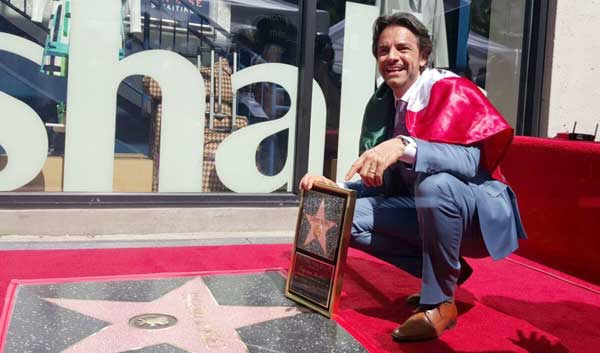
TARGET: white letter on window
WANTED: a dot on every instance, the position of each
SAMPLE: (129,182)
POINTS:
(94,76)
(235,159)
(22,133)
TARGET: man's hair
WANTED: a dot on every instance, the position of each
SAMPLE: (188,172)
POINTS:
(407,21)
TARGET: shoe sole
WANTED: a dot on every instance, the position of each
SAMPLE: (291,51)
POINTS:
(451,325)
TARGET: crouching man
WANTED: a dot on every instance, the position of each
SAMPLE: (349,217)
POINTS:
(431,187)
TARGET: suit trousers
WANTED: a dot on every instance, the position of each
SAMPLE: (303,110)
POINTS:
(424,234)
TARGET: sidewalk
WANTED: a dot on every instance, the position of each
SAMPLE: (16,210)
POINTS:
(144,227)
(33,242)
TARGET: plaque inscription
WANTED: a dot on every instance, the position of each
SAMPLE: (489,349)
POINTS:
(312,279)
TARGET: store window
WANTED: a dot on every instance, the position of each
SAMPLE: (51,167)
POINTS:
(478,39)
(223,38)
(149,95)
(345,72)
(141,95)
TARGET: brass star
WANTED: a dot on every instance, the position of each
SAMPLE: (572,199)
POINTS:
(319,226)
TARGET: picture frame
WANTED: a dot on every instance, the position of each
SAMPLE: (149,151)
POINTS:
(320,247)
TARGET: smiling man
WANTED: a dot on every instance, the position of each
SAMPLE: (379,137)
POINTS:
(431,188)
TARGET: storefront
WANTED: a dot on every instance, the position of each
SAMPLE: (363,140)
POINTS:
(132,102)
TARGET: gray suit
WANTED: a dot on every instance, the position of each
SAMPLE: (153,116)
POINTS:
(444,207)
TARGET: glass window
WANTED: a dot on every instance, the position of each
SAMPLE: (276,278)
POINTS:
(478,39)
(328,64)
(221,38)
(217,38)
(109,96)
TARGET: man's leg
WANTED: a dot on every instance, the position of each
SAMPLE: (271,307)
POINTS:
(447,220)
(386,227)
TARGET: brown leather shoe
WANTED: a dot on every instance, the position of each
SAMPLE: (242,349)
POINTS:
(465,272)
(413,300)
(427,324)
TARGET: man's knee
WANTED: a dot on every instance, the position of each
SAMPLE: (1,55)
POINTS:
(440,185)
(362,221)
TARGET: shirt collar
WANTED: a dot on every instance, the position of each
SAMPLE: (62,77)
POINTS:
(414,87)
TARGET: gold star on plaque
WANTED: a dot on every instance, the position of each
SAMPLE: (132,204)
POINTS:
(319,226)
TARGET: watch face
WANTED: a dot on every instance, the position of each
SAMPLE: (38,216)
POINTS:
(405,142)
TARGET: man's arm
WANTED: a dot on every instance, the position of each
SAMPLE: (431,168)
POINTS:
(461,161)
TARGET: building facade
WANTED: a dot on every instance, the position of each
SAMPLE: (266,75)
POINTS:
(208,101)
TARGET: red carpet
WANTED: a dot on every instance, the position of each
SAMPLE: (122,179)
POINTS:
(506,306)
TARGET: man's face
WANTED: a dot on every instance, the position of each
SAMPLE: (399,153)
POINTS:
(398,58)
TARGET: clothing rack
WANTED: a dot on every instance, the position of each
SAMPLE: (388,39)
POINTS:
(216,90)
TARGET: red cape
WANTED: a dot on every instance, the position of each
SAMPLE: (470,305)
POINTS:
(459,113)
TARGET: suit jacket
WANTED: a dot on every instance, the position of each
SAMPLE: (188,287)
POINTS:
(497,208)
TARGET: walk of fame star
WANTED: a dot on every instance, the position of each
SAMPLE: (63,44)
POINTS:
(202,324)
(319,226)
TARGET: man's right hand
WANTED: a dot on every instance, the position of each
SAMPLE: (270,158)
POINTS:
(308,180)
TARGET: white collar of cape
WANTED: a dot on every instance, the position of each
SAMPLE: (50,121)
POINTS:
(418,94)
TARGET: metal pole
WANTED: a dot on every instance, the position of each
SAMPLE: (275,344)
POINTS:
(306,58)
(174,35)
(212,87)
(160,22)
(220,84)
(234,100)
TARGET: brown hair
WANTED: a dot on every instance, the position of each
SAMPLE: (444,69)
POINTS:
(407,21)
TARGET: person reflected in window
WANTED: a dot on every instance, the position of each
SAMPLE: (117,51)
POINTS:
(430,185)
(275,40)
(327,79)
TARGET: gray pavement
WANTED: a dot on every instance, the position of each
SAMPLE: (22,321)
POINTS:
(33,242)
(144,227)
(105,222)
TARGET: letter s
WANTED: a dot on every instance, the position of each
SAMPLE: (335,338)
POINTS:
(22,133)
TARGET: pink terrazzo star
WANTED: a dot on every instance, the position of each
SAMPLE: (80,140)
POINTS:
(203,325)
(319,226)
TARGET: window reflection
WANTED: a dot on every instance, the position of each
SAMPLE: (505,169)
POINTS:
(232,35)
(479,39)
(218,37)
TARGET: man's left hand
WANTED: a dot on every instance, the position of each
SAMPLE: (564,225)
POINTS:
(372,163)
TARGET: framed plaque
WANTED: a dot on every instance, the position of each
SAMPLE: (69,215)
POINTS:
(320,247)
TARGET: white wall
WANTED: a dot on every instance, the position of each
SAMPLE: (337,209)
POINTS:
(572,91)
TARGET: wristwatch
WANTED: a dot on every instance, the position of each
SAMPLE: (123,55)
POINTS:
(404,140)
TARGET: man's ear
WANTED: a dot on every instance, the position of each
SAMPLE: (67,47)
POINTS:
(423,62)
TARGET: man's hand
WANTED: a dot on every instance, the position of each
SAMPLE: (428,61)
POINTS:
(308,180)
(373,162)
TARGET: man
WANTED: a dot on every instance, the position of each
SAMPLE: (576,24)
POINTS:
(430,184)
